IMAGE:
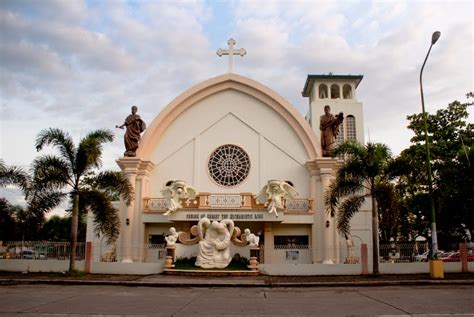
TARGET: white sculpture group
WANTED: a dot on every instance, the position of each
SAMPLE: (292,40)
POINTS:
(273,193)
(214,239)
(214,244)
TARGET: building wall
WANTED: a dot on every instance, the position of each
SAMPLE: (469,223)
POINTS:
(349,106)
(229,117)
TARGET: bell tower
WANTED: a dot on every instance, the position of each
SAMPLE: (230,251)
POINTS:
(338,92)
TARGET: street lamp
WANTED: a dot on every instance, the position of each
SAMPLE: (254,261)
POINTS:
(434,238)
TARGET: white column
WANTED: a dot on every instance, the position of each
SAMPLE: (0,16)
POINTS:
(129,167)
(269,248)
(315,232)
(127,222)
(321,171)
(137,224)
(138,229)
(328,222)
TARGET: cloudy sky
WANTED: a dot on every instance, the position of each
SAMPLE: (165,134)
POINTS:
(80,65)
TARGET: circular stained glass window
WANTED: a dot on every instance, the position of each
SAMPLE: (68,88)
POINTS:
(229,165)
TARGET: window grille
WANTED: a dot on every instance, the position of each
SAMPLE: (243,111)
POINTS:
(229,165)
(351,128)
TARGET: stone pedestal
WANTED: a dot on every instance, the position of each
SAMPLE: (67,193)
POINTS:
(254,254)
(169,260)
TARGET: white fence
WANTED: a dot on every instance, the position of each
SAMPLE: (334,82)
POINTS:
(292,259)
(414,252)
(297,254)
(40,250)
(147,253)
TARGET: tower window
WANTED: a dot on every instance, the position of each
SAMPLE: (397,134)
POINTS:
(335,93)
(323,91)
(347,91)
(351,128)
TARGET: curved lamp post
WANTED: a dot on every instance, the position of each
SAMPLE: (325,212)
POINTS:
(434,238)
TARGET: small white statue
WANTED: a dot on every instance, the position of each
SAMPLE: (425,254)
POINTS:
(275,191)
(350,247)
(251,238)
(214,244)
(172,237)
(174,192)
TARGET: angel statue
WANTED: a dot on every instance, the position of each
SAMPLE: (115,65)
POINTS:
(251,238)
(174,192)
(275,191)
(172,237)
(214,244)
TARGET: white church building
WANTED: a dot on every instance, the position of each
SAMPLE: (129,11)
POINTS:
(227,137)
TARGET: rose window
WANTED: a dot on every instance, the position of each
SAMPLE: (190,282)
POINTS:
(229,165)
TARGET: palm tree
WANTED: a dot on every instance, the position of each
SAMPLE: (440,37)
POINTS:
(73,173)
(362,175)
(12,176)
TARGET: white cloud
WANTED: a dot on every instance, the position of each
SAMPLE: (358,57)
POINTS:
(72,11)
(84,68)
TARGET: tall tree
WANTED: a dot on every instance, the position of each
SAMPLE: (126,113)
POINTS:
(451,140)
(74,173)
(363,175)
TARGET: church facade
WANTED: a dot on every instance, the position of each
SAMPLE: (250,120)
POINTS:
(227,137)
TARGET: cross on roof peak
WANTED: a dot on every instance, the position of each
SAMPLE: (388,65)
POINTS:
(231,51)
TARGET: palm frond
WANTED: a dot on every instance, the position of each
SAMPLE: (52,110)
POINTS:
(51,172)
(347,210)
(353,168)
(113,183)
(43,201)
(13,175)
(106,216)
(377,157)
(350,148)
(339,188)
(89,151)
(59,139)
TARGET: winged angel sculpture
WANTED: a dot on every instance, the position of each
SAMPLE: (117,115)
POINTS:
(175,192)
(273,193)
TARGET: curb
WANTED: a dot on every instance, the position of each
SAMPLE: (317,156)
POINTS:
(213,284)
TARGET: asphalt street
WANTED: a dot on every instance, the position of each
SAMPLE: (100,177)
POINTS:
(100,300)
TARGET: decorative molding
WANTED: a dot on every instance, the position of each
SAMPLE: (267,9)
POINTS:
(215,85)
(225,201)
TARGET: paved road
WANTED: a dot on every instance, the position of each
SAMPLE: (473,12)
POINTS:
(77,300)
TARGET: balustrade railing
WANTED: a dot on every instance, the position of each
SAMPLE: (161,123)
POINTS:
(243,201)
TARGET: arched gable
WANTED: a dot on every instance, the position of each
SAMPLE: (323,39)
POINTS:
(214,85)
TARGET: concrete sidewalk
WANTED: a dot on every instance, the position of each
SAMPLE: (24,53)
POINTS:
(9,278)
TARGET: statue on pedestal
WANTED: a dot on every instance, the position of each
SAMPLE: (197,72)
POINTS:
(275,191)
(171,238)
(350,258)
(135,126)
(329,126)
(174,192)
(251,238)
(214,244)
